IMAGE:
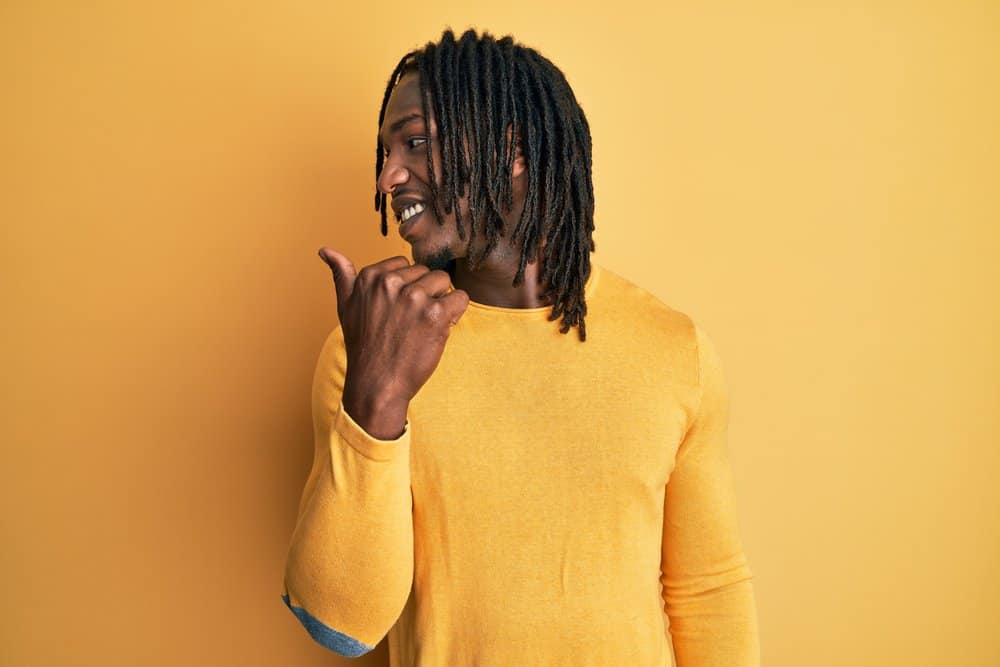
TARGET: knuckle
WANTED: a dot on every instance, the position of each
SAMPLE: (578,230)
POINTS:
(365,274)
(391,280)
(412,294)
(434,313)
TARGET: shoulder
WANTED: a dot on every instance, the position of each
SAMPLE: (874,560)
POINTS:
(634,323)
(620,300)
(331,367)
(333,351)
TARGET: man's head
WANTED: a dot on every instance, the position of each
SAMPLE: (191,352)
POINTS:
(488,132)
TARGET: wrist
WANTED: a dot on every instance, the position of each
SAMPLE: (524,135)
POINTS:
(381,415)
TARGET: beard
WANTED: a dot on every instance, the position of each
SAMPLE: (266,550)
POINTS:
(439,259)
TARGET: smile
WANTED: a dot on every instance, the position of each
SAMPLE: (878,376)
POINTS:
(410,211)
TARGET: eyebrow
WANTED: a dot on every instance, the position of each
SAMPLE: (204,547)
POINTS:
(401,122)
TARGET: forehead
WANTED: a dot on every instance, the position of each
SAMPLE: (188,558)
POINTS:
(404,102)
(406,92)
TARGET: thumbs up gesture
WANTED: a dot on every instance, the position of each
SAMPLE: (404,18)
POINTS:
(396,318)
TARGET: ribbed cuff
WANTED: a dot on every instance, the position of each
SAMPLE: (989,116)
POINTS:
(366,444)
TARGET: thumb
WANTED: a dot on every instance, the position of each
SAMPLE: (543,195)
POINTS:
(344,273)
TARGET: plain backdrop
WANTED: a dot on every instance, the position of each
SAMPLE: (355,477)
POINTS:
(814,183)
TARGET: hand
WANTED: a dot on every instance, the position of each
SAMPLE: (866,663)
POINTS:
(396,318)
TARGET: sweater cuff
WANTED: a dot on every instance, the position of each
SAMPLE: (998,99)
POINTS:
(364,442)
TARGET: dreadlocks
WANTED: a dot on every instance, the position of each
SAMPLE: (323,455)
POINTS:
(479,88)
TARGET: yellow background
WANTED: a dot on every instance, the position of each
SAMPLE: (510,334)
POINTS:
(816,184)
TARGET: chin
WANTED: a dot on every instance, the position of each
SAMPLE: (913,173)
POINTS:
(441,259)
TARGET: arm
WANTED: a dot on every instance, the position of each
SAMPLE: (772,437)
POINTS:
(350,563)
(707,590)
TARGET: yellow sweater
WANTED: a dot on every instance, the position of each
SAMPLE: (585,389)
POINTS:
(542,491)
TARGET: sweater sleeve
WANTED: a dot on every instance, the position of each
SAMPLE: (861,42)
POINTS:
(707,583)
(349,567)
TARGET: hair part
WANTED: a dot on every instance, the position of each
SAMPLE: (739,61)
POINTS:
(477,89)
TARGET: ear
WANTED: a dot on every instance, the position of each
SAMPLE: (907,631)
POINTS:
(519,165)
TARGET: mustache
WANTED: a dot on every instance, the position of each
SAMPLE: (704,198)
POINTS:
(411,192)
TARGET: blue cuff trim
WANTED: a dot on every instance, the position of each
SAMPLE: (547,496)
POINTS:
(337,642)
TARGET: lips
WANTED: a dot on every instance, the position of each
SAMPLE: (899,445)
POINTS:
(405,227)
(409,210)
(401,204)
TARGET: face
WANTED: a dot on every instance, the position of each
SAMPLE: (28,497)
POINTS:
(405,179)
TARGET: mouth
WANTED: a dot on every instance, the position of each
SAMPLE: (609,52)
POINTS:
(410,211)
(409,216)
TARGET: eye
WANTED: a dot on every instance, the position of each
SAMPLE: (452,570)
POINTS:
(413,142)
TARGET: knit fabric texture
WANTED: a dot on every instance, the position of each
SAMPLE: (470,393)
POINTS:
(551,501)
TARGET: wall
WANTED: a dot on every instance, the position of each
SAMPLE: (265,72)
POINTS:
(815,183)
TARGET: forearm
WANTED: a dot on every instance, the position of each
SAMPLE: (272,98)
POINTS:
(715,627)
(350,562)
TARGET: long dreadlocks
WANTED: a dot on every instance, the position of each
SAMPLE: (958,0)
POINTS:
(479,88)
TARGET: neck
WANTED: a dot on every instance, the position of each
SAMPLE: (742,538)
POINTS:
(491,282)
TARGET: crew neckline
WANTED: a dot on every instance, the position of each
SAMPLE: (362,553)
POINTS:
(588,289)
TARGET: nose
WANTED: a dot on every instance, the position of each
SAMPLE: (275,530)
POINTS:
(393,174)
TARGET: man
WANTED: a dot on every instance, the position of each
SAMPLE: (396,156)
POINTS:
(486,489)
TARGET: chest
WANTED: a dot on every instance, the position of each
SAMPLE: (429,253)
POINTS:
(506,432)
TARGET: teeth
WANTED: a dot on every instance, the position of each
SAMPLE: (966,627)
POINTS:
(411,211)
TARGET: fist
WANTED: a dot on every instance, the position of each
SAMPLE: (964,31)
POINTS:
(396,318)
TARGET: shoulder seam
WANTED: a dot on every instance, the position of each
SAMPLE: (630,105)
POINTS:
(643,291)
(701,381)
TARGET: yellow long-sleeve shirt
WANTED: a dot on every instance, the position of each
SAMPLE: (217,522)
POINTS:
(542,491)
